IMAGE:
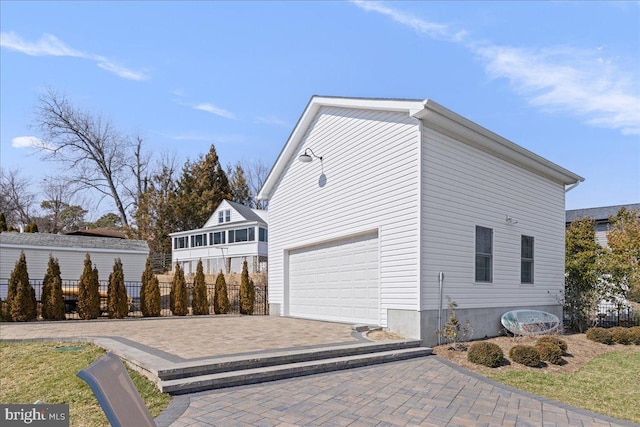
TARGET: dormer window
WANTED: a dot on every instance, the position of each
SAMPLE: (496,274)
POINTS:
(224,216)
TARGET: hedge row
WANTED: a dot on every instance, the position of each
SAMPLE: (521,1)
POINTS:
(547,348)
(616,335)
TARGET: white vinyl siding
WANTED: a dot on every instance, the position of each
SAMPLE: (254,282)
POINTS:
(464,187)
(370,165)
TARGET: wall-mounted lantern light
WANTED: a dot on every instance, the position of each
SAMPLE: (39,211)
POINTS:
(306,158)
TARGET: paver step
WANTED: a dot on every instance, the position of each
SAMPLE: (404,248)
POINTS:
(289,370)
(275,358)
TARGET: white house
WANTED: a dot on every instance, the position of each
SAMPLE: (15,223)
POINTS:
(234,233)
(70,252)
(390,196)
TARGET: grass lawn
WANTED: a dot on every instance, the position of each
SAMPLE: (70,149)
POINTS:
(36,371)
(608,384)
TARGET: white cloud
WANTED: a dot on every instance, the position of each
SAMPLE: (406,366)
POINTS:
(210,108)
(30,142)
(272,121)
(568,80)
(49,45)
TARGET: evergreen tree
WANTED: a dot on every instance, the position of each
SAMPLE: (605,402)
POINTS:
(247,291)
(3,222)
(200,303)
(220,296)
(152,299)
(622,257)
(202,187)
(147,275)
(31,228)
(178,297)
(582,293)
(22,299)
(238,185)
(88,292)
(52,299)
(117,301)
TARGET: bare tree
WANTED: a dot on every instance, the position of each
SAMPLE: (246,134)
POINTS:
(16,199)
(256,172)
(60,213)
(97,156)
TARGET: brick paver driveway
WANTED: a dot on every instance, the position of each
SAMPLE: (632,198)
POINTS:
(418,392)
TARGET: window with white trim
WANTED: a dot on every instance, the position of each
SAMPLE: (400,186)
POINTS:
(242,235)
(180,242)
(198,240)
(484,254)
(263,236)
(526,263)
(224,216)
(217,238)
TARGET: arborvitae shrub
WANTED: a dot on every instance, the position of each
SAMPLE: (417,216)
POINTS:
(23,306)
(3,222)
(635,335)
(52,299)
(555,341)
(600,335)
(247,291)
(220,297)
(525,355)
(88,292)
(147,274)
(179,299)
(621,335)
(485,353)
(5,315)
(549,352)
(117,300)
(152,300)
(200,302)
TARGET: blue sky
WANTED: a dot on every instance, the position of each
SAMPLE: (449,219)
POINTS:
(561,79)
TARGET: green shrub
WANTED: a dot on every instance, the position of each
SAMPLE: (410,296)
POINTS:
(601,335)
(5,315)
(88,292)
(178,297)
(549,352)
(525,355)
(455,331)
(145,281)
(117,300)
(153,299)
(552,339)
(621,335)
(220,297)
(200,302)
(22,297)
(486,354)
(247,291)
(635,335)
(51,298)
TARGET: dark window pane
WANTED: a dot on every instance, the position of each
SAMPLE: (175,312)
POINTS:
(252,234)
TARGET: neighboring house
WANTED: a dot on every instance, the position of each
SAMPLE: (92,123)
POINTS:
(601,217)
(403,193)
(233,234)
(100,232)
(71,252)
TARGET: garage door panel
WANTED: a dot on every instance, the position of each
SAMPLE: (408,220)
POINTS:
(336,281)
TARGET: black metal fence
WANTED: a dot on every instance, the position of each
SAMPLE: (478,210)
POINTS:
(610,315)
(70,295)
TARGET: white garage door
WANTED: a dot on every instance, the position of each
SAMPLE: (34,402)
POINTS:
(336,281)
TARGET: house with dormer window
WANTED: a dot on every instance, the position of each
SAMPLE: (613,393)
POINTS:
(234,233)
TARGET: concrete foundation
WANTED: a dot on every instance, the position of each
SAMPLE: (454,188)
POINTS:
(274,309)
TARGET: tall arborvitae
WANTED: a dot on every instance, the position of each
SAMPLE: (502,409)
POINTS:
(52,299)
(3,222)
(247,291)
(22,299)
(220,297)
(152,299)
(88,292)
(200,302)
(179,299)
(147,274)
(117,301)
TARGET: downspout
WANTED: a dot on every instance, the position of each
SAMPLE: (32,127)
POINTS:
(441,283)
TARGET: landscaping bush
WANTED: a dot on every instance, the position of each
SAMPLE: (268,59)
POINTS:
(525,355)
(153,299)
(486,354)
(621,335)
(22,297)
(145,280)
(200,303)
(117,301)
(635,335)
(549,352)
(51,298)
(601,335)
(88,292)
(455,331)
(551,339)
(247,291)
(220,296)
(178,297)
